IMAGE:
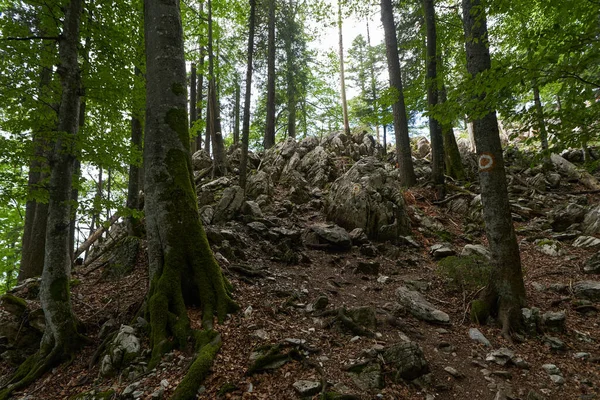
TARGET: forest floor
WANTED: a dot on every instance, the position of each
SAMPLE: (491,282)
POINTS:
(275,306)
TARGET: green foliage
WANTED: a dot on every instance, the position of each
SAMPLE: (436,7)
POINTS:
(465,273)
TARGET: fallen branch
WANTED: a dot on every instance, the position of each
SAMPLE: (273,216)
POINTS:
(573,172)
(95,236)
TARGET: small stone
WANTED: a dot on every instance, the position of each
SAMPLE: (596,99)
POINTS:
(554,343)
(320,303)
(554,321)
(501,356)
(586,241)
(137,394)
(383,279)
(260,334)
(248,312)
(551,369)
(158,394)
(582,356)
(476,335)
(454,372)
(475,250)
(557,379)
(502,374)
(307,388)
(440,251)
(367,268)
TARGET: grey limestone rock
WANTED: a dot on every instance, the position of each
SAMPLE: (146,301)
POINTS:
(407,360)
(419,307)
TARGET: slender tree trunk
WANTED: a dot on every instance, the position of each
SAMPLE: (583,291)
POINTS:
(403,152)
(193,102)
(60,339)
(108,188)
(134,183)
(505,293)
(453,162)
(270,126)
(373,82)
(236,115)
(290,75)
(183,270)
(200,72)
(247,97)
(342,74)
(214,118)
(385,140)
(435,128)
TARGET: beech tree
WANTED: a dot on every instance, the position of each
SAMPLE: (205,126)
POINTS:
(505,293)
(183,270)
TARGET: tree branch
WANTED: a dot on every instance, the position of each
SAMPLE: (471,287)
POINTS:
(32,38)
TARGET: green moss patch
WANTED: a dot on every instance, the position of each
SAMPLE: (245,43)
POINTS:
(465,273)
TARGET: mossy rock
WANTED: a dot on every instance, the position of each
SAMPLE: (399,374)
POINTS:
(465,273)
(13,305)
(94,395)
(480,311)
(270,357)
(228,387)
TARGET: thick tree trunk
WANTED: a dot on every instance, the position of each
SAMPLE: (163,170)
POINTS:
(60,339)
(403,152)
(453,161)
(342,72)
(270,126)
(435,128)
(505,293)
(247,97)
(183,270)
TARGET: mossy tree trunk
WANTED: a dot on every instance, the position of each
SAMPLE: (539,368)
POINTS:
(269,140)
(403,151)
(505,293)
(452,158)
(183,270)
(60,339)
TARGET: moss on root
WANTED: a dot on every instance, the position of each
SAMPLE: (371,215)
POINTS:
(188,388)
(480,311)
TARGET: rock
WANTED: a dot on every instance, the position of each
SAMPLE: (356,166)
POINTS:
(554,321)
(554,343)
(258,227)
(531,319)
(367,268)
(366,375)
(206,214)
(501,356)
(548,247)
(439,251)
(589,290)
(582,356)
(419,307)
(358,236)
(557,379)
(13,305)
(230,204)
(586,242)
(423,148)
(332,236)
(551,369)
(592,265)
(252,209)
(318,167)
(121,352)
(475,250)
(201,160)
(406,361)
(454,372)
(307,388)
(477,336)
(363,316)
(562,218)
(591,221)
(369,197)
(259,184)
(123,257)
(320,303)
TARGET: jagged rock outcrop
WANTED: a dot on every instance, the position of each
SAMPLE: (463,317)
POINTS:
(369,197)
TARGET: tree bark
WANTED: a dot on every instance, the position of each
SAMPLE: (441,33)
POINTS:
(270,126)
(342,74)
(199,91)
(247,96)
(182,268)
(505,293)
(373,82)
(133,186)
(290,73)
(435,128)
(193,101)
(60,339)
(453,161)
(403,151)
(236,115)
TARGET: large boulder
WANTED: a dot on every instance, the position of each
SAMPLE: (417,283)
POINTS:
(327,236)
(230,204)
(259,184)
(121,352)
(201,160)
(419,307)
(588,290)
(407,360)
(563,217)
(591,221)
(369,197)
(318,167)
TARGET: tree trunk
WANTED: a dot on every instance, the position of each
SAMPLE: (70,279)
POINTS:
(385,140)
(247,97)
(193,102)
(435,128)
(453,161)
(373,82)
(60,339)
(236,115)
(290,74)
(505,293)
(199,92)
(403,152)
(133,187)
(183,270)
(36,212)
(270,126)
(342,74)
(214,117)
